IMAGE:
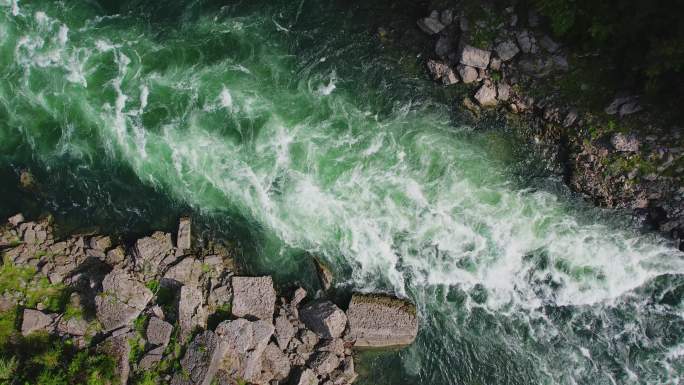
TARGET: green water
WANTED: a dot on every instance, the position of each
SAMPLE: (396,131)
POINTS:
(287,127)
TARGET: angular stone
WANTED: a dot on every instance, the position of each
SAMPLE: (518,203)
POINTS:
(468,74)
(474,57)
(253,297)
(308,377)
(503,92)
(187,272)
(625,143)
(506,50)
(527,42)
(245,344)
(377,320)
(450,78)
(72,326)
(323,363)
(345,376)
(430,25)
(548,44)
(183,238)
(15,220)
(298,296)
(201,360)
(438,71)
(119,348)
(486,95)
(158,332)
(191,314)
(115,256)
(122,299)
(101,243)
(151,358)
(150,251)
(284,331)
(34,321)
(275,365)
(324,318)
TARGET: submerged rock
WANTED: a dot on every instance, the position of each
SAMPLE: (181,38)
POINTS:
(377,320)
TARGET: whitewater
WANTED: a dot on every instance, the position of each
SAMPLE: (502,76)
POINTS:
(286,120)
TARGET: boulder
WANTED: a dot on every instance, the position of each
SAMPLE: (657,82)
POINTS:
(150,252)
(16,219)
(100,242)
(201,360)
(527,42)
(503,92)
(468,74)
(570,118)
(307,377)
(324,318)
(377,320)
(506,50)
(191,314)
(443,47)
(323,363)
(474,57)
(284,331)
(183,238)
(430,25)
(158,332)
(122,299)
(75,326)
(119,348)
(186,272)
(253,297)
(325,276)
(486,95)
(245,343)
(151,358)
(438,70)
(446,17)
(625,143)
(345,374)
(275,365)
(35,321)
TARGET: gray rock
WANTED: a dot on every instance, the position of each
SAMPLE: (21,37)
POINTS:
(119,348)
(506,50)
(527,42)
(16,219)
(151,358)
(275,365)
(323,363)
(446,17)
(625,143)
(474,57)
(245,344)
(438,70)
(253,297)
(486,95)
(443,47)
(548,44)
(191,314)
(219,296)
(72,326)
(335,346)
(308,377)
(570,118)
(284,331)
(560,62)
(37,321)
(186,272)
(448,79)
(430,25)
(380,320)
(183,238)
(629,108)
(201,360)
(122,299)
(345,376)
(468,74)
(503,92)
(116,256)
(150,251)
(298,296)
(158,332)
(495,63)
(100,242)
(324,318)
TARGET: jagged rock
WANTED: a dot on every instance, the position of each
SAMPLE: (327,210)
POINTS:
(151,251)
(536,66)
(468,74)
(325,276)
(122,299)
(486,95)
(219,296)
(503,92)
(201,360)
(15,220)
(100,242)
(186,272)
(119,348)
(323,363)
(345,376)
(307,377)
(570,118)
(183,238)
(506,50)
(73,326)
(625,143)
(335,346)
(253,297)
(191,314)
(34,321)
(115,256)
(324,318)
(298,296)
(284,331)
(377,320)
(614,106)
(631,107)
(430,25)
(560,62)
(548,44)
(151,358)
(495,63)
(275,365)
(245,343)
(158,332)
(473,57)
(527,42)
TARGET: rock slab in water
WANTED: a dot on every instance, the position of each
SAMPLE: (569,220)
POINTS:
(253,297)
(377,320)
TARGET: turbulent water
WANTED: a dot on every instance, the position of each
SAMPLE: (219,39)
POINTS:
(287,124)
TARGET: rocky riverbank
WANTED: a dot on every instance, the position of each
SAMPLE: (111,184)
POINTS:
(164,310)
(618,155)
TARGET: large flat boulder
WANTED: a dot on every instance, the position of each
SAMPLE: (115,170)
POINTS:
(474,57)
(37,321)
(324,318)
(123,298)
(377,320)
(253,297)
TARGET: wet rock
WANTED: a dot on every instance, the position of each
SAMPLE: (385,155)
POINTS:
(474,57)
(614,107)
(430,25)
(123,298)
(625,143)
(439,71)
(377,320)
(253,297)
(191,314)
(37,321)
(183,238)
(486,95)
(324,318)
(629,108)
(446,17)
(201,360)
(560,62)
(158,332)
(27,180)
(119,348)
(506,50)
(325,276)
(470,105)
(570,118)
(298,296)
(443,47)
(468,74)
